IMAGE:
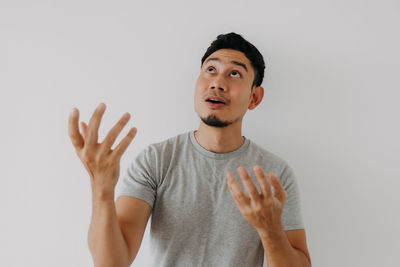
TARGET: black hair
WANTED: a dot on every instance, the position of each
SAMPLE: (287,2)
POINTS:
(237,42)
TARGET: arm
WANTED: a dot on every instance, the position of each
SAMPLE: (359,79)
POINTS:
(116,231)
(107,243)
(133,215)
(105,238)
(286,249)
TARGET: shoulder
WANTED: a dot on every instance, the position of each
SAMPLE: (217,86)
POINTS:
(167,146)
(267,155)
(274,162)
(157,157)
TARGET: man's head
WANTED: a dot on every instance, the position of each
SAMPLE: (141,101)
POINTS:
(232,70)
(237,42)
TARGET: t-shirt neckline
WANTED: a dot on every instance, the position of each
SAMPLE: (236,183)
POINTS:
(214,155)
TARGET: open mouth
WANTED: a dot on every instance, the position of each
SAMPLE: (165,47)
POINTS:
(215,104)
(215,101)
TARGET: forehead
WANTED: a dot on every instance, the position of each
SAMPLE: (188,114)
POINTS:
(227,55)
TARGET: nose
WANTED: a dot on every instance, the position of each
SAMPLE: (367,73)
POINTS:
(219,83)
(221,88)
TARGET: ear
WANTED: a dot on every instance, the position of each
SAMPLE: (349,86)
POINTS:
(256,96)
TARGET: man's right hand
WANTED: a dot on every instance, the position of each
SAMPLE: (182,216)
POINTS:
(102,163)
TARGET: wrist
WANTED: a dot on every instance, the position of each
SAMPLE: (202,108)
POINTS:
(271,231)
(102,196)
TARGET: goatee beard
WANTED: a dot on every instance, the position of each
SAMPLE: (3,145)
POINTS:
(212,120)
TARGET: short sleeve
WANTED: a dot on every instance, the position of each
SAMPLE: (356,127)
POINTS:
(138,180)
(292,215)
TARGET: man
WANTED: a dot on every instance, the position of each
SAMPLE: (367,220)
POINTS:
(200,214)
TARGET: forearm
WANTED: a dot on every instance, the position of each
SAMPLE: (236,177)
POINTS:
(280,252)
(106,242)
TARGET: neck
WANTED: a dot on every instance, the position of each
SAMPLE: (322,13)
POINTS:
(220,140)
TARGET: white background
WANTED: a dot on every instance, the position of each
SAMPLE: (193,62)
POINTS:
(331,109)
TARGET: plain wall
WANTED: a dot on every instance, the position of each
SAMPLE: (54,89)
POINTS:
(330,109)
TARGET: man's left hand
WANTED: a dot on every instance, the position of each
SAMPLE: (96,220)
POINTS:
(261,210)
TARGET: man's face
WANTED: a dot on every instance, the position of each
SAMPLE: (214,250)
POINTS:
(224,75)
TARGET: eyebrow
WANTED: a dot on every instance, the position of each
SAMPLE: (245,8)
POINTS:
(233,62)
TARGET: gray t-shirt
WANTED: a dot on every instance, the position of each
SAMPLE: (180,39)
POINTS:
(195,221)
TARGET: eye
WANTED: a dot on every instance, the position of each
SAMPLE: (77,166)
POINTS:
(208,68)
(237,73)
